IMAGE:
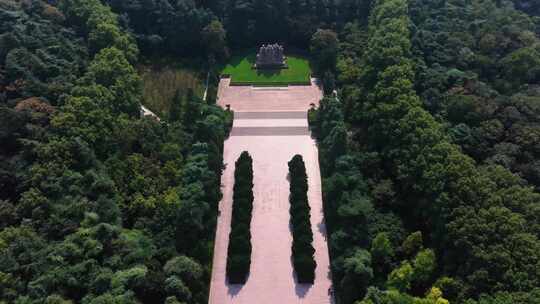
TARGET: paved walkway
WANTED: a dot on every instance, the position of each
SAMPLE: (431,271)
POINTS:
(263,99)
(272,136)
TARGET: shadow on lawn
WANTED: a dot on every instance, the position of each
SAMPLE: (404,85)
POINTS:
(249,56)
(268,72)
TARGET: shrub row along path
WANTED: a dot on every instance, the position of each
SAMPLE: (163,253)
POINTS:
(271,124)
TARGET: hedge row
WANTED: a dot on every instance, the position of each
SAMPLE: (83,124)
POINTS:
(239,251)
(302,248)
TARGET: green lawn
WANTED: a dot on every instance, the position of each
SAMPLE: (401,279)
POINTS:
(241,72)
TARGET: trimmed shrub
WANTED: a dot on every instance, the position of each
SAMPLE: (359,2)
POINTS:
(302,247)
(239,251)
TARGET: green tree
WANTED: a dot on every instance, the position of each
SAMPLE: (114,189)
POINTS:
(401,277)
(192,111)
(382,254)
(424,265)
(110,69)
(358,276)
(523,65)
(412,244)
(324,48)
(214,37)
(175,112)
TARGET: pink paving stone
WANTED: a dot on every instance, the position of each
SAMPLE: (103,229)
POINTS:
(271,277)
(270,122)
(247,98)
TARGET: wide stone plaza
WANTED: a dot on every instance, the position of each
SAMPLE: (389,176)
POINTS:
(271,124)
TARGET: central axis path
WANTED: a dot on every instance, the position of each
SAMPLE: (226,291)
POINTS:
(272,136)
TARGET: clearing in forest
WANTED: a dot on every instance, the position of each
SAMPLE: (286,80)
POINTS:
(241,71)
(272,132)
(160,83)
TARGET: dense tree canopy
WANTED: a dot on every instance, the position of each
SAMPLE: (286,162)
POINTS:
(177,26)
(38,56)
(429,153)
(98,205)
(429,95)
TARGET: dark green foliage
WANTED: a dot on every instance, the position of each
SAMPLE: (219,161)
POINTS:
(302,246)
(251,22)
(437,107)
(192,109)
(357,275)
(411,134)
(38,56)
(324,49)
(195,28)
(329,82)
(353,221)
(239,250)
(166,26)
(214,37)
(414,169)
(99,205)
(531,297)
(99,25)
(175,113)
(383,254)
(487,93)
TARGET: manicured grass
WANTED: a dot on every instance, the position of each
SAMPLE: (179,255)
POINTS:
(241,71)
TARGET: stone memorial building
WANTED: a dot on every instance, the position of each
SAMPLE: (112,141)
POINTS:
(270,57)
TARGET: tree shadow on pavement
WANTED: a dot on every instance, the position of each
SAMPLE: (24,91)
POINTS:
(234,289)
(300,289)
(322,229)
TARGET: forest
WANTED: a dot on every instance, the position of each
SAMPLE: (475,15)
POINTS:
(429,139)
(91,195)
